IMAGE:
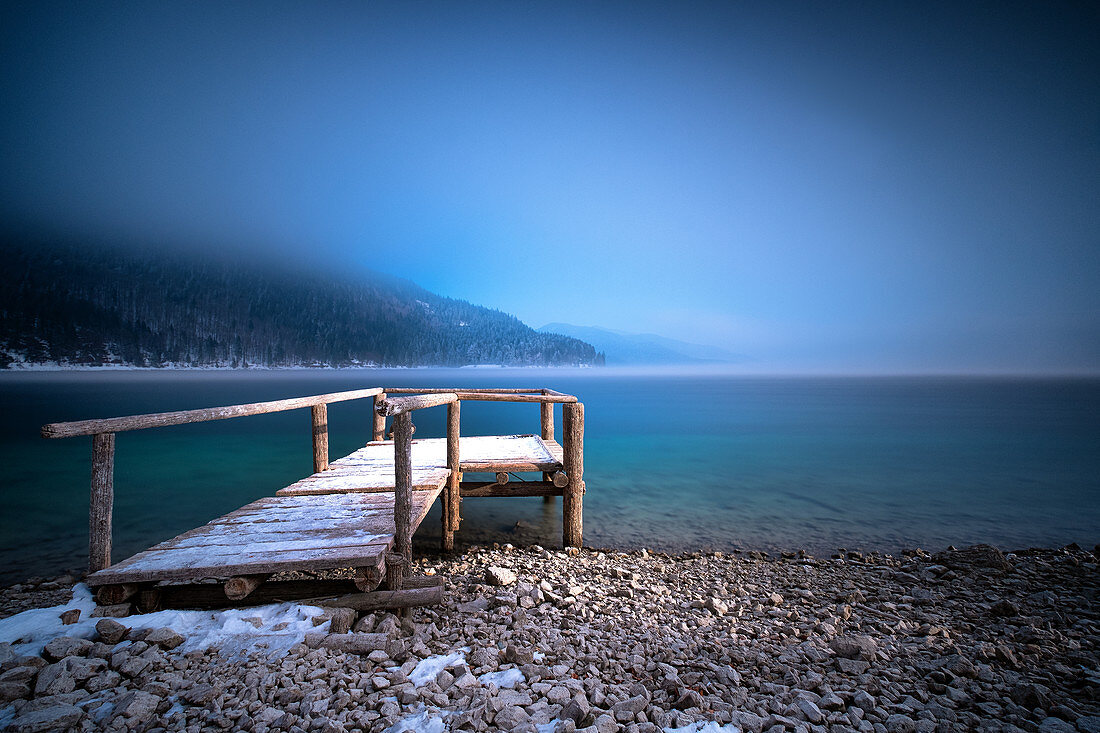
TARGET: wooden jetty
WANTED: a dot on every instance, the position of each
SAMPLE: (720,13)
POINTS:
(357,512)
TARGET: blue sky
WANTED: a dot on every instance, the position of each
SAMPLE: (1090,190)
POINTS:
(821,186)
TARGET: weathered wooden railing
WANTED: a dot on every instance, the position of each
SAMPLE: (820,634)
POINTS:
(570,482)
(103,449)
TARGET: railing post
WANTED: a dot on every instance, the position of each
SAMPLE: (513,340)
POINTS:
(379,420)
(547,420)
(546,414)
(451,498)
(102,501)
(572,425)
(319,415)
(402,493)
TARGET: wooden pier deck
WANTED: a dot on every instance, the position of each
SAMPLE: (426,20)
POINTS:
(274,535)
(358,512)
(371,468)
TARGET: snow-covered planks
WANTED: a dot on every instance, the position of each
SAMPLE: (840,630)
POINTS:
(272,535)
(371,469)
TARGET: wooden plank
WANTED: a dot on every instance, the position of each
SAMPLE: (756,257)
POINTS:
(363,482)
(159,568)
(162,419)
(211,595)
(519,488)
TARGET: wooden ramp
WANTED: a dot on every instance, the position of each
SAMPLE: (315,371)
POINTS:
(273,535)
(371,469)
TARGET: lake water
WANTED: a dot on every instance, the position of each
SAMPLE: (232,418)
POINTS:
(672,462)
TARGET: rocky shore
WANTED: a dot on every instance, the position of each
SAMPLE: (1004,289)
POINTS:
(542,640)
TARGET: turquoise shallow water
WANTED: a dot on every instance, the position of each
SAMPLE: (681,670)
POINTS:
(672,462)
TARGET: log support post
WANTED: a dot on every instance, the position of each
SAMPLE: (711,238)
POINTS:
(240,587)
(546,415)
(399,561)
(319,415)
(112,595)
(573,447)
(102,501)
(379,420)
(451,497)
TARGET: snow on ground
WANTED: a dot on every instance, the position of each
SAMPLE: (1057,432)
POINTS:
(427,669)
(276,627)
(426,721)
(30,630)
(504,678)
(708,727)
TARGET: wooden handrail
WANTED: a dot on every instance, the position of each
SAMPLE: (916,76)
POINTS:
(163,419)
(484,394)
(401,405)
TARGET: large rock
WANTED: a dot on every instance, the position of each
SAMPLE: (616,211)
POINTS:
(66,646)
(632,705)
(14,690)
(1056,725)
(499,576)
(1031,696)
(854,647)
(165,638)
(810,710)
(55,679)
(898,723)
(138,705)
(577,709)
(55,717)
(200,694)
(111,631)
(976,557)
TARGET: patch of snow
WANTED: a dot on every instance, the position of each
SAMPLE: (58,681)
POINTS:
(427,669)
(227,631)
(426,721)
(539,656)
(548,727)
(502,679)
(31,630)
(709,727)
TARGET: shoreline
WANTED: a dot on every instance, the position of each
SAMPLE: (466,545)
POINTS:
(603,641)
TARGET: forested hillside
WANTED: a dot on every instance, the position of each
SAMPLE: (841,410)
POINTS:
(78,305)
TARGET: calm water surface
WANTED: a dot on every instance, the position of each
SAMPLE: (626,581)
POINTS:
(671,462)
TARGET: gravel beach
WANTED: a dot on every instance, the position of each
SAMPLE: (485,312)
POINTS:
(544,640)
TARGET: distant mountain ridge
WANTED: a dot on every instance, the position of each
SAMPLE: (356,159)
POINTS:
(637,349)
(69,304)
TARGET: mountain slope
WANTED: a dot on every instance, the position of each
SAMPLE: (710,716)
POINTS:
(637,349)
(69,304)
